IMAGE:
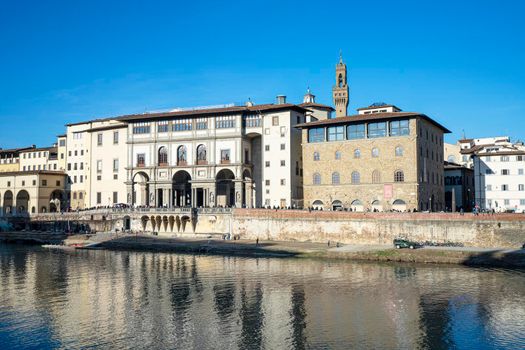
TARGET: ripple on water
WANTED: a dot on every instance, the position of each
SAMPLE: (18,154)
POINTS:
(121,300)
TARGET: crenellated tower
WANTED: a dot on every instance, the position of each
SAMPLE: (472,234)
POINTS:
(340,90)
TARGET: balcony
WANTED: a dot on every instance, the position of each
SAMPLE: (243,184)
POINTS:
(182,163)
(225,161)
(202,162)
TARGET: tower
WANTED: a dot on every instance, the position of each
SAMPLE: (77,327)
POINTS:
(340,90)
(308,97)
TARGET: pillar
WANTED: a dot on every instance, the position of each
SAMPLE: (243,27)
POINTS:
(238,194)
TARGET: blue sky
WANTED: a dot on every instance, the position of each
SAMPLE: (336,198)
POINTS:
(460,62)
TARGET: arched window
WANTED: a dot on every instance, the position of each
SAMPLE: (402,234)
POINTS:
(399,176)
(181,155)
(340,80)
(376,177)
(375,152)
(316,155)
(399,151)
(317,179)
(335,178)
(357,153)
(201,154)
(337,155)
(163,156)
(356,178)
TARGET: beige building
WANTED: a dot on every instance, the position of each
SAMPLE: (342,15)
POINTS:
(10,159)
(35,159)
(24,192)
(381,159)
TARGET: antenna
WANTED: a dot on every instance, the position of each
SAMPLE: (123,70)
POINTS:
(464,137)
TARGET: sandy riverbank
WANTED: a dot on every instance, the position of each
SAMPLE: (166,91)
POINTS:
(463,256)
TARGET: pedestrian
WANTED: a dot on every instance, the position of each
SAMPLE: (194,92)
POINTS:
(257,241)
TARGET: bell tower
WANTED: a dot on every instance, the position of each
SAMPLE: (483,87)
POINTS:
(340,90)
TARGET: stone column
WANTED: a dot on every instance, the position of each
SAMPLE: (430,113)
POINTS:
(238,194)
(249,193)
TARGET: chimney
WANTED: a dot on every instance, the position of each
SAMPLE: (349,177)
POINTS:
(281,99)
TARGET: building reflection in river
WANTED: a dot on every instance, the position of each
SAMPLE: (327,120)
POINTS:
(146,300)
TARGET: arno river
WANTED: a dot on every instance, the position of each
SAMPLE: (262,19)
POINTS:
(122,300)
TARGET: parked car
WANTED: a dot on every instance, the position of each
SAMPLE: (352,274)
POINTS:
(405,243)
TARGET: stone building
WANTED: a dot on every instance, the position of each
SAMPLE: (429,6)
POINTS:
(244,156)
(459,187)
(380,159)
(25,192)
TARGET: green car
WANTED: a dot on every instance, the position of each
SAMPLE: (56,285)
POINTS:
(405,243)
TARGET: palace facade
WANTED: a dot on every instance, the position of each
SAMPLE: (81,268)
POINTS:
(380,159)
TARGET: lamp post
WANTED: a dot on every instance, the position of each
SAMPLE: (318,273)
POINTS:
(468,199)
(430,204)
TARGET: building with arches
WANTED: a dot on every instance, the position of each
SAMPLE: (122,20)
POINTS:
(31,192)
(386,159)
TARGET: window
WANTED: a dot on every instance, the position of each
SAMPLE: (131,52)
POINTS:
(283,163)
(357,153)
(275,120)
(8,183)
(34,183)
(377,130)
(520,171)
(267,182)
(283,131)
(44,182)
(75,166)
(225,156)
(520,158)
(316,156)
(74,195)
(181,155)
(76,153)
(24,168)
(375,152)
(521,187)
(115,176)
(504,187)
(81,152)
(337,155)
(80,195)
(115,165)
(99,139)
(522,201)
(267,164)
(99,166)
(225,122)
(115,197)
(99,198)
(162,126)
(376,177)
(488,172)
(283,146)
(399,176)
(81,178)
(505,172)
(335,133)
(283,182)
(115,137)
(182,125)
(489,187)
(354,132)
(504,158)
(62,143)
(506,202)
(55,166)
(487,159)
(23,183)
(141,128)
(141,159)
(163,156)
(399,128)
(58,183)
(317,179)
(77,136)
(81,166)
(399,151)
(335,178)
(267,147)
(201,123)
(356,177)
(316,135)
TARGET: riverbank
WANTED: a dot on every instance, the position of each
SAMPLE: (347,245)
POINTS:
(428,255)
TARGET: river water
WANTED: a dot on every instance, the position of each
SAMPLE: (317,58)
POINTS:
(122,300)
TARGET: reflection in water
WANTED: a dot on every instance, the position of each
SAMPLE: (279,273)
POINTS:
(120,300)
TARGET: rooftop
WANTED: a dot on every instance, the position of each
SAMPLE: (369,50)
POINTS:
(372,117)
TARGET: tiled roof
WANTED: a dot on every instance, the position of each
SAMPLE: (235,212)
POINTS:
(318,105)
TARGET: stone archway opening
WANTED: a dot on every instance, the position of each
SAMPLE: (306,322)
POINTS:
(140,189)
(225,188)
(181,189)
(357,205)
(337,205)
(399,205)
(8,202)
(318,205)
(22,202)
(377,206)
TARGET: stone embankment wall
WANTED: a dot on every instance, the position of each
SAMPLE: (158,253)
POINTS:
(491,231)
